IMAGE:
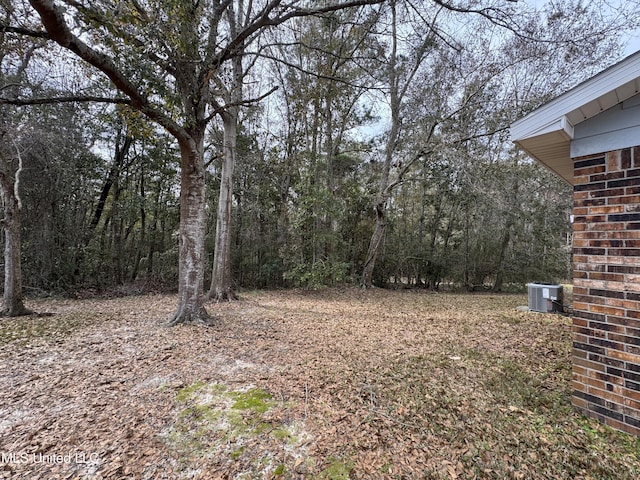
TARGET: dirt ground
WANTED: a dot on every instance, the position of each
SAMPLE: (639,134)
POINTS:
(288,384)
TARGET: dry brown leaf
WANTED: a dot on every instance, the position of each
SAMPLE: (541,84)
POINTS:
(395,384)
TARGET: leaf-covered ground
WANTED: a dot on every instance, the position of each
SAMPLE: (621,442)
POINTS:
(288,384)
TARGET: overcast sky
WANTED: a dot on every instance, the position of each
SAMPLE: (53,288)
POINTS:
(634,44)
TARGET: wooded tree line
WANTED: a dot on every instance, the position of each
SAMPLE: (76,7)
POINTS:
(225,144)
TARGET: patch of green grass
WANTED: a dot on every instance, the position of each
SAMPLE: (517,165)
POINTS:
(237,453)
(188,392)
(199,413)
(214,419)
(245,414)
(240,425)
(338,470)
(255,400)
(283,433)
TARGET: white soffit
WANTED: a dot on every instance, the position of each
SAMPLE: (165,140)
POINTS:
(552,149)
(543,128)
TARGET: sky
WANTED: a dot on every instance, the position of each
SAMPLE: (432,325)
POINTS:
(634,44)
(634,41)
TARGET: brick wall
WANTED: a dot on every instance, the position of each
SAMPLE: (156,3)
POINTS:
(606,292)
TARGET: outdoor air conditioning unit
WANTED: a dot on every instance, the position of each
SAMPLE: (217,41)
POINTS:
(545,297)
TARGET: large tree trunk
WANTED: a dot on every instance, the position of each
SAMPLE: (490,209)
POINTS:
(385,187)
(506,239)
(192,232)
(374,246)
(221,279)
(121,153)
(13,305)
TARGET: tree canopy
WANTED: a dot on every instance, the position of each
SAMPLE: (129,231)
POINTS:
(302,143)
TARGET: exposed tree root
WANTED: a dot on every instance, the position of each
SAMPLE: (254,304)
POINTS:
(16,311)
(197,316)
(227,296)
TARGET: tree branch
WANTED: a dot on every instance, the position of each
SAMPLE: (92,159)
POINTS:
(24,31)
(263,20)
(220,109)
(21,102)
(313,74)
(16,183)
(482,135)
(98,17)
(422,153)
(509,21)
(54,22)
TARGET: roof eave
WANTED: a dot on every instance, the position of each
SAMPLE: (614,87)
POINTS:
(550,145)
(611,86)
(547,132)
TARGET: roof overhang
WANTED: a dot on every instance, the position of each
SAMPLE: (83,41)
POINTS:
(551,146)
(546,133)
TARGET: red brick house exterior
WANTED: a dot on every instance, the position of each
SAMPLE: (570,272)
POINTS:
(591,137)
(606,301)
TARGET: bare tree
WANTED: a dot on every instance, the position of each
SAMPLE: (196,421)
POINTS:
(561,29)
(400,71)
